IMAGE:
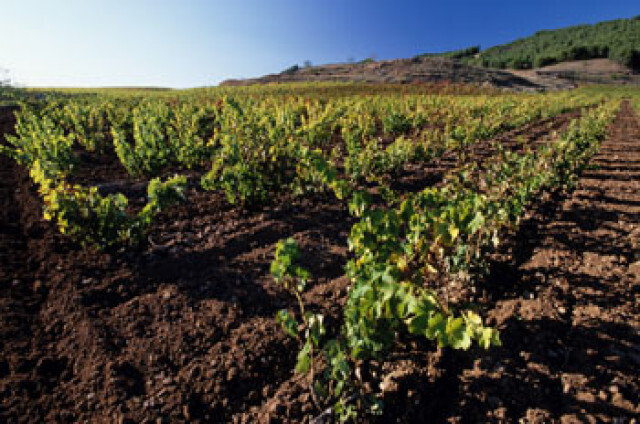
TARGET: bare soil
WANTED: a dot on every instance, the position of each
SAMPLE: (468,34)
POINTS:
(183,330)
(592,71)
(566,297)
(403,71)
(561,76)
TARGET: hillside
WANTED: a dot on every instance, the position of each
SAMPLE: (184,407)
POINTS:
(618,40)
(592,71)
(404,71)
(607,52)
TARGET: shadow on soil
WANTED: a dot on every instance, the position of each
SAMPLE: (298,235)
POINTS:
(531,370)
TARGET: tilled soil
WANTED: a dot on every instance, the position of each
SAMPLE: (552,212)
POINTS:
(417,176)
(567,302)
(184,331)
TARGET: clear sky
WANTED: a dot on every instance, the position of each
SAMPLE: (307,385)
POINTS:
(186,43)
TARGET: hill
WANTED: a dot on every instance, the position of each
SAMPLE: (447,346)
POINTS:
(592,71)
(403,71)
(606,52)
(618,40)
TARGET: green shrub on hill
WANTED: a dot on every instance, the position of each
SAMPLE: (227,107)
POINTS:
(618,40)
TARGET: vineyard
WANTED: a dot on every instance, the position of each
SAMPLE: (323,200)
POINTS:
(320,253)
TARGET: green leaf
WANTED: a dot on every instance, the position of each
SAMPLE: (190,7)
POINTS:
(436,327)
(473,318)
(489,337)
(316,328)
(476,223)
(288,322)
(457,334)
(419,324)
(303,363)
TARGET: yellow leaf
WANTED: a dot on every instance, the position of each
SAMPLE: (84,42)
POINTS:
(430,268)
(453,231)
(402,263)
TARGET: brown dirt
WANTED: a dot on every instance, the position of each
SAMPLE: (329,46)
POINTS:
(402,71)
(591,66)
(434,70)
(565,293)
(592,71)
(568,304)
(417,176)
(184,331)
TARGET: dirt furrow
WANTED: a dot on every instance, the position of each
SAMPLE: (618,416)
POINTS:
(568,306)
(417,176)
(182,330)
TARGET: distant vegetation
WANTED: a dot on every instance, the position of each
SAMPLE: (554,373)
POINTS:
(469,52)
(292,69)
(7,92)
(618,40)
(367,60)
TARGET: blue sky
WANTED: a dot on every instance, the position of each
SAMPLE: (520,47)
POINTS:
(186,43)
